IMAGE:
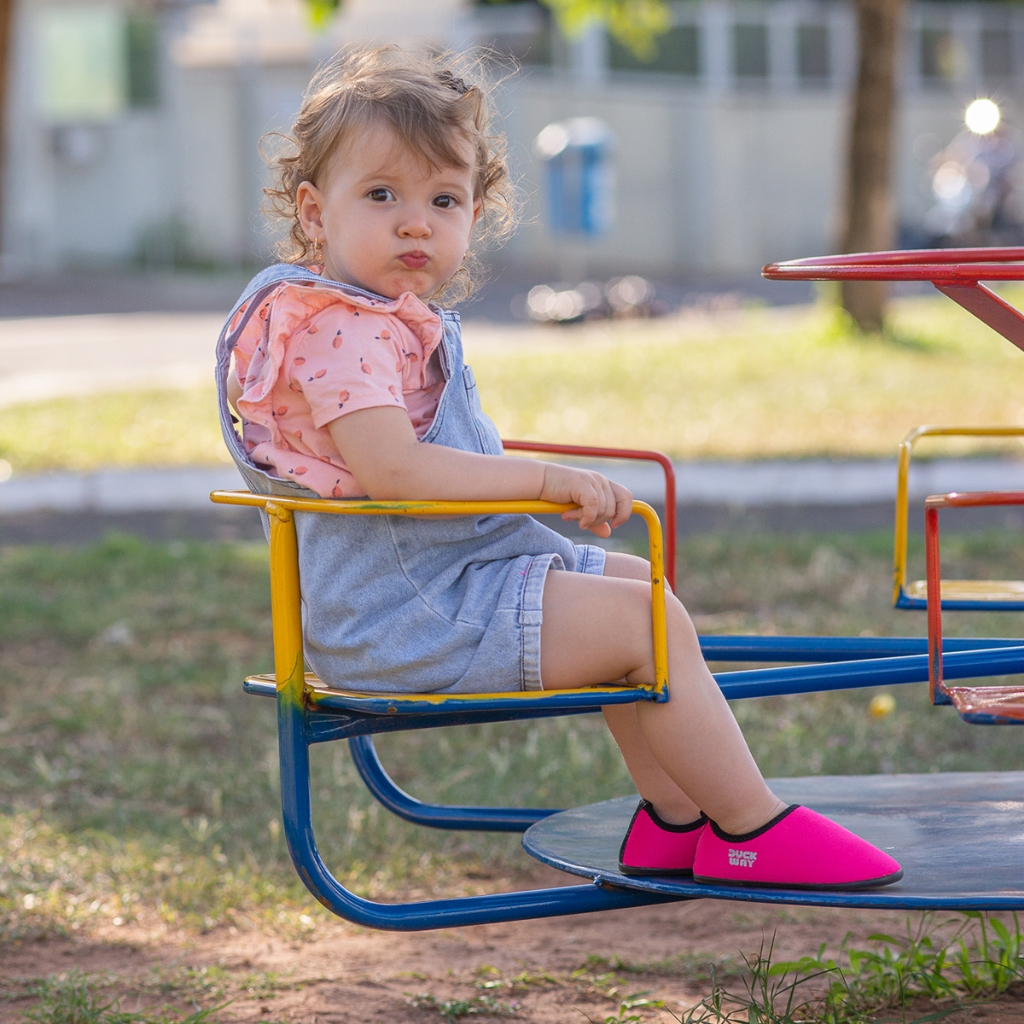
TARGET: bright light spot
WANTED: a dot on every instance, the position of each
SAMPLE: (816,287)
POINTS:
(551,141)
(5,471)
(950,182)
(982,117)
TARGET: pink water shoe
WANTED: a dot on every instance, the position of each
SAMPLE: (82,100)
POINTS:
(797,849)
(654,847)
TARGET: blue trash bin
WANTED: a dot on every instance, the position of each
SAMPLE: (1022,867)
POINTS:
(578,176)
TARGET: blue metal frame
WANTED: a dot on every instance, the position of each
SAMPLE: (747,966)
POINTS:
(294,739)
(396,800)
(832,648)
(299,727)
(1005,657)
(920,604)
(343,718)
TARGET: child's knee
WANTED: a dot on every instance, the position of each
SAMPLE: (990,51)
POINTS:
(627,567)
(679,620)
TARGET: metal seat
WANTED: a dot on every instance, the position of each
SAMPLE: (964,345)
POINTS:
(958,274)
(309,712)
(957,595)
(978,705)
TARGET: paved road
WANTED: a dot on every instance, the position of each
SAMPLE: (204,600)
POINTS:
(183,292)
(50,356)
(46,357)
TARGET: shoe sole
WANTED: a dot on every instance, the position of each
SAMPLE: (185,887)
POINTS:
(632,872)
(871,883)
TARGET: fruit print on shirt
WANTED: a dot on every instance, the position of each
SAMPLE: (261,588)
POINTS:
(310,360)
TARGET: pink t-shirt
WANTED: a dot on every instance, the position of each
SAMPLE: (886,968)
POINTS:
(311,354)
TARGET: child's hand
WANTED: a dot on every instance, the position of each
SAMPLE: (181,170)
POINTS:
(603,504)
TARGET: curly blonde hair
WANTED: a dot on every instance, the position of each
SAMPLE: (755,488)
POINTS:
(428,103)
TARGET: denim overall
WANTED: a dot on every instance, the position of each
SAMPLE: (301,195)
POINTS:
(396,604)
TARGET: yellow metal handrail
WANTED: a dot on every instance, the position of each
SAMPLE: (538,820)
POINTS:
(284,570)
(978,590)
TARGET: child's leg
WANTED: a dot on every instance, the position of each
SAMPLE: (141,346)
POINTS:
(651,780)
(598,629)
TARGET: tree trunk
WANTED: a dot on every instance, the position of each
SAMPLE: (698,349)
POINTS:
(6,63)
(869,222)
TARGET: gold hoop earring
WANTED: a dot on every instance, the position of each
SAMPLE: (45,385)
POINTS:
(318,250)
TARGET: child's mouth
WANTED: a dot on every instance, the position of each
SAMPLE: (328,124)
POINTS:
(414,260)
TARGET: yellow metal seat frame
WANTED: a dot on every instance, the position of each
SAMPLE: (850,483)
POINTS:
(956,594)
(294,684)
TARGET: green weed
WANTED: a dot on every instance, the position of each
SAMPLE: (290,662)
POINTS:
(74,998)
(627,1012)
(490,979)
(686,966)
(210,982)
(454,1009)
(941,963)
(791,992)
(992,960)
(968,957)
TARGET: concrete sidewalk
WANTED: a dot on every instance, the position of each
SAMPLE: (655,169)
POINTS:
(740,484)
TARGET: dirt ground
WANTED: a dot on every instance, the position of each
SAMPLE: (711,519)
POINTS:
(349,974)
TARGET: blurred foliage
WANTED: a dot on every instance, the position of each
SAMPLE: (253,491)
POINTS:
(321,11)
(634,23)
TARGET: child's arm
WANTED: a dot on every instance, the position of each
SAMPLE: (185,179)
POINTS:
(234,387)
(382,452)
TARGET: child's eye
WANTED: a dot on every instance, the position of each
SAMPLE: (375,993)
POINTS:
(446,202)
(380,195)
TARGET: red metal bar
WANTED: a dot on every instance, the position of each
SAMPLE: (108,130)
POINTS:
(964,273)
(905,257)
(954,272)
(932,504)
(989,308)
(637,454)
(934,578)
(974,499)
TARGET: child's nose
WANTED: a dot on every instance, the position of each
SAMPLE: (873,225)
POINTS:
(414,225)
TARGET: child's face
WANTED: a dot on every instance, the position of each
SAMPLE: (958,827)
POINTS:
(388,222)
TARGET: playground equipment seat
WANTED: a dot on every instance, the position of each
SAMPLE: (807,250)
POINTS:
(959,595)
(582,841)
(958,274)
(979,705)
(928,821)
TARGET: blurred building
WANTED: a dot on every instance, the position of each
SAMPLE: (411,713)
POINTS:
(133,127)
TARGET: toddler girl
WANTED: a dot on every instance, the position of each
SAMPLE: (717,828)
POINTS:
(350,383)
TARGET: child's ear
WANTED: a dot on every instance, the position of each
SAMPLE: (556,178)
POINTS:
(309,207)
(478,205)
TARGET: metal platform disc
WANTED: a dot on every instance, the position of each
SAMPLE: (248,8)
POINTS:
(959,837)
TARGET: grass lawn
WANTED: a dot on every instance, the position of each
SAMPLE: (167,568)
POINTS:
(761,382)
(137,783)
(138,786)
